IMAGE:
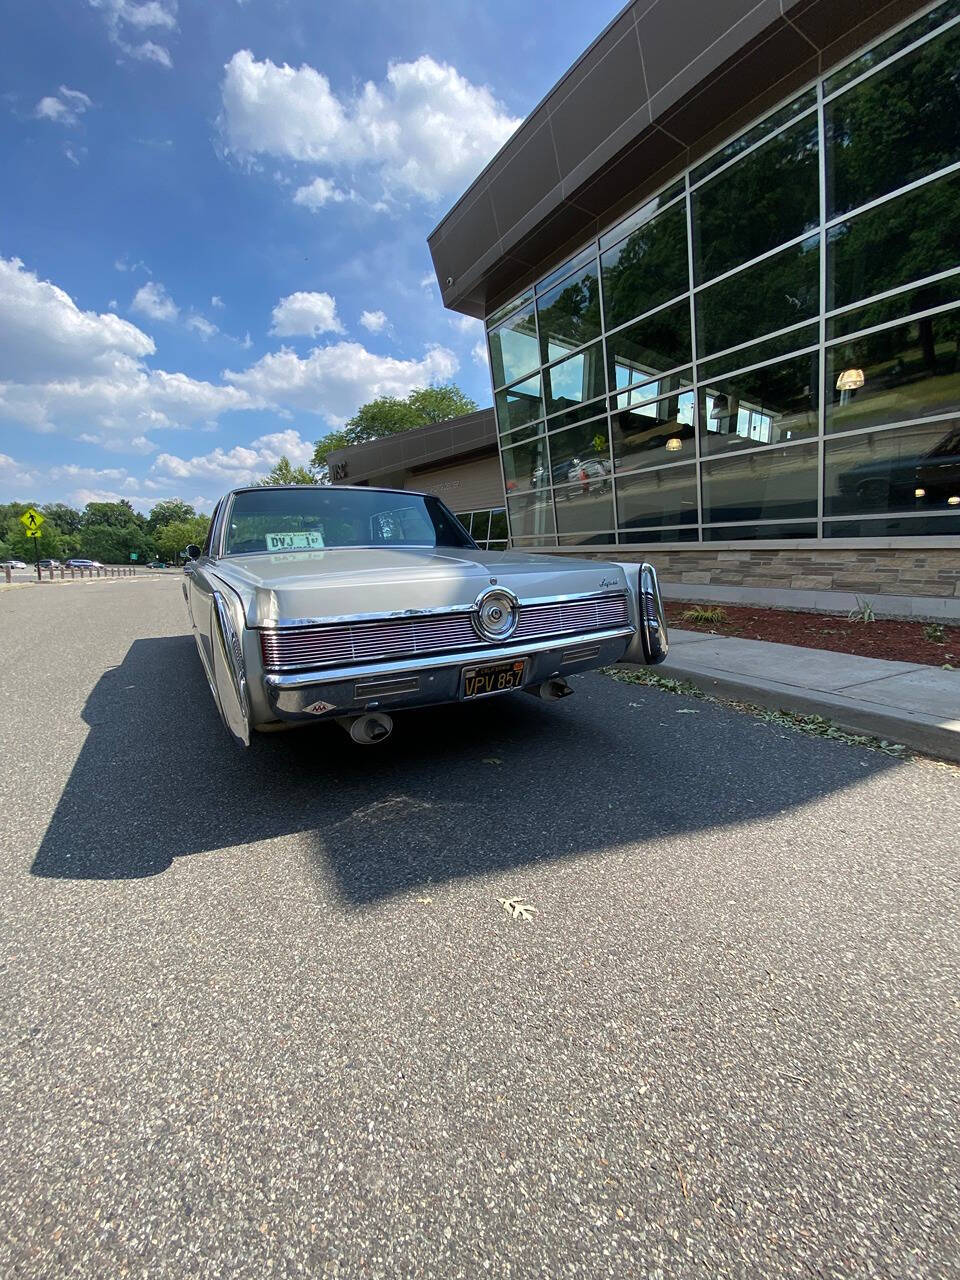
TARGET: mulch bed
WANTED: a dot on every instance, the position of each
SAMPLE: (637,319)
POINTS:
(885,638)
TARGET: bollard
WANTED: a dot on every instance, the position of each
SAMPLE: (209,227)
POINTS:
(73,572)
(61,573)
(8,574)
(50,572)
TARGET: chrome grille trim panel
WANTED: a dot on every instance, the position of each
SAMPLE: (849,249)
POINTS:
(411,636)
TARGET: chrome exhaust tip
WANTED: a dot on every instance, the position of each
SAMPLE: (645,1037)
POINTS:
(374,726)
(549,690)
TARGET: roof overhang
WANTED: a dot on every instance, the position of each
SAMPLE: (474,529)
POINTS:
(663,84)
(432,445)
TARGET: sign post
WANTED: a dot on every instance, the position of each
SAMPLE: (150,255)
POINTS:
(31,521)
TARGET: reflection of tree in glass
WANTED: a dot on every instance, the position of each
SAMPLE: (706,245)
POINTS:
(915,235)
(656,344)
(899,125)
(772,295)
(570,313)
(770,196)
(648,268)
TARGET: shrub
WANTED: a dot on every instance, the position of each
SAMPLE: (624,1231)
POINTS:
(863,612)
(710,615)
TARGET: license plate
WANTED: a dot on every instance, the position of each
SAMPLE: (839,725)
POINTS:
(496,677)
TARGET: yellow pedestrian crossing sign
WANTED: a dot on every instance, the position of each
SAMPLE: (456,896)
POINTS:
(32,520)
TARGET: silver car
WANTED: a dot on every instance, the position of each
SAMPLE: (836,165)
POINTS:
(312,603)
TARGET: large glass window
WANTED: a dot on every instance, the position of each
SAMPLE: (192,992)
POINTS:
(574,380)
(772,195)
(513,347)
(903,469)
(895,127)
(652,346)
(531,515)
(768,484)
(663,497)
(648,432)
(771,405)
(777,292)
(519,404)
(911,371)
(580,453)
(820,375)
(647,268)
(525,466)
(569,313)
(906,239)
(586,505)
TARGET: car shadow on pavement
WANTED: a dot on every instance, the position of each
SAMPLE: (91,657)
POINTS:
(455,792)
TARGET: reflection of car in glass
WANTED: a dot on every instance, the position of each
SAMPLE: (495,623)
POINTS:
(336,603)
(928,478)
(592,475)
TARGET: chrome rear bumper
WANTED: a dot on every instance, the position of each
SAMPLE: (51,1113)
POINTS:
(389,686)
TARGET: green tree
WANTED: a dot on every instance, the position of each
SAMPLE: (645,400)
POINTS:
(390,415)
(168,510)
(114,514)
(178,534)
(284,472)
(113,544)
(67,519)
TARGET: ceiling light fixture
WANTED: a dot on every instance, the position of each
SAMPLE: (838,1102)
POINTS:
(850,380)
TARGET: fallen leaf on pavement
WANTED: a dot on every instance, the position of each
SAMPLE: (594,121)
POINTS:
(516,909)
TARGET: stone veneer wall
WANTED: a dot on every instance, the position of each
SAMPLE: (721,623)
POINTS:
(884,571)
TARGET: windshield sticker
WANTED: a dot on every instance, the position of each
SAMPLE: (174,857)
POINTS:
(294,541)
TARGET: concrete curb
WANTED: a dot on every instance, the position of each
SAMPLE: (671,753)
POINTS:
(919,732)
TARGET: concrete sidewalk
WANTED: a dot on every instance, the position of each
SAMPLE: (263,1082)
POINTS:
(902,701)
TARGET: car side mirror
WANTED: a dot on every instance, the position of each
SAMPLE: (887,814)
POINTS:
(192,551)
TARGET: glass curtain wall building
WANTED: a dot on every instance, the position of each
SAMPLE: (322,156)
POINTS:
(768,348)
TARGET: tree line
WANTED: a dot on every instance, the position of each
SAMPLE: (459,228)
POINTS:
(111,532)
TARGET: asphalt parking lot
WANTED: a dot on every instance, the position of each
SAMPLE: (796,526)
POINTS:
(263,1013)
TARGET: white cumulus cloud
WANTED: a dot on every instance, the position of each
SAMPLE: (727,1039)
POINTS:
(305,313)
(375,321)
(424,129)
(65,107)
(318,193)
(334,380)
(129,21)
(153,301)
(201,325)
(243,464)
(44,334)
(84,374)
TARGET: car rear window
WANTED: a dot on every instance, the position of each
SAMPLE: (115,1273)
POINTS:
(289,520)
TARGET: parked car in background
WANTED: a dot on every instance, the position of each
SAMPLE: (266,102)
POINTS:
(337,603)
(155,564)
(82,564)
(13,564)
(49,564)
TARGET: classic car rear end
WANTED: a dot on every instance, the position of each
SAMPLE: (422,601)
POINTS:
(314,603)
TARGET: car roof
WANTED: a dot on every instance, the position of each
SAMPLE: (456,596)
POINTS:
(353,488)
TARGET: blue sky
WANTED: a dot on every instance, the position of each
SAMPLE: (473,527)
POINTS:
(213,229)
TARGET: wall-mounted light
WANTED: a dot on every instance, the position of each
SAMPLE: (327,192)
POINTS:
(919,493)
(953,500)
(850,380)
(674,444)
